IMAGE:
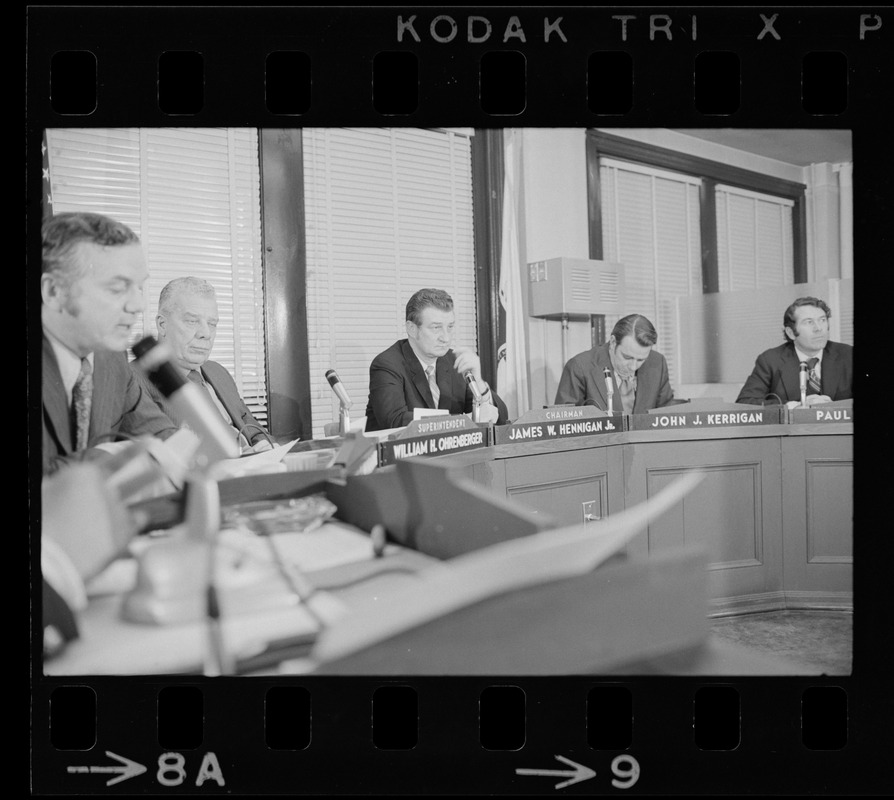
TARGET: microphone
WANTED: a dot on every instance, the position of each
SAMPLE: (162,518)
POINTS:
(339,388)
(473,385)
(610,387)
(802,377)
(187,399)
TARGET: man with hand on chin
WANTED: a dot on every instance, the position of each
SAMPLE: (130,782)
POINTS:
(91,284)
(425,371)
(777,371)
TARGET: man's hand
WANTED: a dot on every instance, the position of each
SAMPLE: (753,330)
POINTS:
(467,361)
(487,413)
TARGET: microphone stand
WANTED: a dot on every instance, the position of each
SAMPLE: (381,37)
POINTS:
(344,418)
(803,381)
(203,530)
(476,397)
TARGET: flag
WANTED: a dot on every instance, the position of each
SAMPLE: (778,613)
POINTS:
(46,196)
(512,355)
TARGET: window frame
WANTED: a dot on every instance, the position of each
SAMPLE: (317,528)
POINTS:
(711,173)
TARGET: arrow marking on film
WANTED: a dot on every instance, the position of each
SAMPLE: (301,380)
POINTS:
(128,769)
(576,775)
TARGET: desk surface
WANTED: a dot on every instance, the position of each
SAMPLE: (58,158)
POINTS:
(257,606)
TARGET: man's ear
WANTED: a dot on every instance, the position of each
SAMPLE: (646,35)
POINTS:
(789,333)
(160,323)
(51,292)
(411,329)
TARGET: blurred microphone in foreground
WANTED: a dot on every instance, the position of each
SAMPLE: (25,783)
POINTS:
(85,525)
(188,399)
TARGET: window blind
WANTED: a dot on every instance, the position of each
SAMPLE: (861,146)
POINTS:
(193,197)
(754,239)
(388,212)
(650,224)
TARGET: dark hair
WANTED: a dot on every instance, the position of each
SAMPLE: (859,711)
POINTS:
(639,327)
(424,298)
(62,233)
(788,319)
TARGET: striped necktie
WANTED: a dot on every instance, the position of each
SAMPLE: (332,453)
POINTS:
(81,400)
(433,384)
(813,381)
(196,377)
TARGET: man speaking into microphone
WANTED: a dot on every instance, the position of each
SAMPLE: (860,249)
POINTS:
(426,371)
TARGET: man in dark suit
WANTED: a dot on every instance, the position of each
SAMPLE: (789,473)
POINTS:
(187,322)
(91,290)
(830,365)
(425,371)
(638,373)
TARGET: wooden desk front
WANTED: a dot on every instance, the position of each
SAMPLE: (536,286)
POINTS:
(775,511)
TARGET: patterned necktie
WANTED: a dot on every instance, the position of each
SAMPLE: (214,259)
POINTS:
(813,381)
(81,400)
(433,384)
(627,390)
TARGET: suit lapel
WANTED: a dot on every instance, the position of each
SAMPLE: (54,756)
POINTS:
(830,372)
(790,374)
(601,360)
(444,377)
(222,395)
(643,388)
(55,405)
(417,373)
(104,370)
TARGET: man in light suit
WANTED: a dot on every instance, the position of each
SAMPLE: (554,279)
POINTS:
(187,322)
(776,374)
(91,284)
(639,374)
(399,377)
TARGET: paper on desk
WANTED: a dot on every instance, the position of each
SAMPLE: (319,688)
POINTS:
(421,413)
(265,461)
(508,566)
(331,545)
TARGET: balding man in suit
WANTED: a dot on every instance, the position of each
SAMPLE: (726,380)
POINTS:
(187,322)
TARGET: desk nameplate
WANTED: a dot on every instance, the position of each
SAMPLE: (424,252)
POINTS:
(433,444)
(558,428)
(707,419)
(820,415)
